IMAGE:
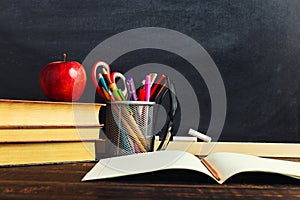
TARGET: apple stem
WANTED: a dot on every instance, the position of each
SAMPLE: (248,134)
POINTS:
(65,57)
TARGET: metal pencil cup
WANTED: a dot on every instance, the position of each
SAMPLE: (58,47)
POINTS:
(128,127)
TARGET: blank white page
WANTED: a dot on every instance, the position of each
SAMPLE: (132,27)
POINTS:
(229,164)
(145,162)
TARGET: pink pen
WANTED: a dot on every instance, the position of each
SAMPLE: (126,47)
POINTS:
(147,87)
(136,149)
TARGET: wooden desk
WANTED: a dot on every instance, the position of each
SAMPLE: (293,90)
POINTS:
(62,181)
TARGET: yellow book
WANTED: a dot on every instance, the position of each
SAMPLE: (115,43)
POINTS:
(291,150)
(50,152)
(62,133)
(19,113)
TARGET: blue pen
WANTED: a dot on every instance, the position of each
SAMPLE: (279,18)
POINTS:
(125,142)
(103,82)
(131,89)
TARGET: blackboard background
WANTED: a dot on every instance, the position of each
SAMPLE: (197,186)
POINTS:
(254,43)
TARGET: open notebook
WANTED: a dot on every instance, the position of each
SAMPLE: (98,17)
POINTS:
(219,166)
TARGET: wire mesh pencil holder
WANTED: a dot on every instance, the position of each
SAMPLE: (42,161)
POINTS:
(128,127)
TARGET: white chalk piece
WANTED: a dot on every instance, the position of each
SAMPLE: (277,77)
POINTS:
(184,139)
(199,135)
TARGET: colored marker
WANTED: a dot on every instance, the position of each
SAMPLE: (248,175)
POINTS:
(142,94)
(147,87)
(131,89)
(153,77)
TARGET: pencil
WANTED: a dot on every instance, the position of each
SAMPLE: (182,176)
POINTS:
(130,120)
(161,89)
(108,98)
(111,85)
(166,142)
(106,76)
(210,168)
(131,131)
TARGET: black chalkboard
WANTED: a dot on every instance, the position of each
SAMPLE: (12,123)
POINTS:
(254,43)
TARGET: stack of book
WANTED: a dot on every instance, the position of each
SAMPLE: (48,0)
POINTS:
(34,132)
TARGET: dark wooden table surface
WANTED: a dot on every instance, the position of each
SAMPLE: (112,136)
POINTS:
(63,181)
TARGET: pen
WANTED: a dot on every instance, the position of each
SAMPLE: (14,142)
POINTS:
(142,93)
(147,88)
(131,89)
(130,143)
(136,148)
(154,88)
(103,82)
(153,77)
(125,142)
(112,86)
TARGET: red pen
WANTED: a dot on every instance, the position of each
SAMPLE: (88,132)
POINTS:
(142,94)
(154,88)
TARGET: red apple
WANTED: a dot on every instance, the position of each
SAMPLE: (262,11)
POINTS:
(63,81)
